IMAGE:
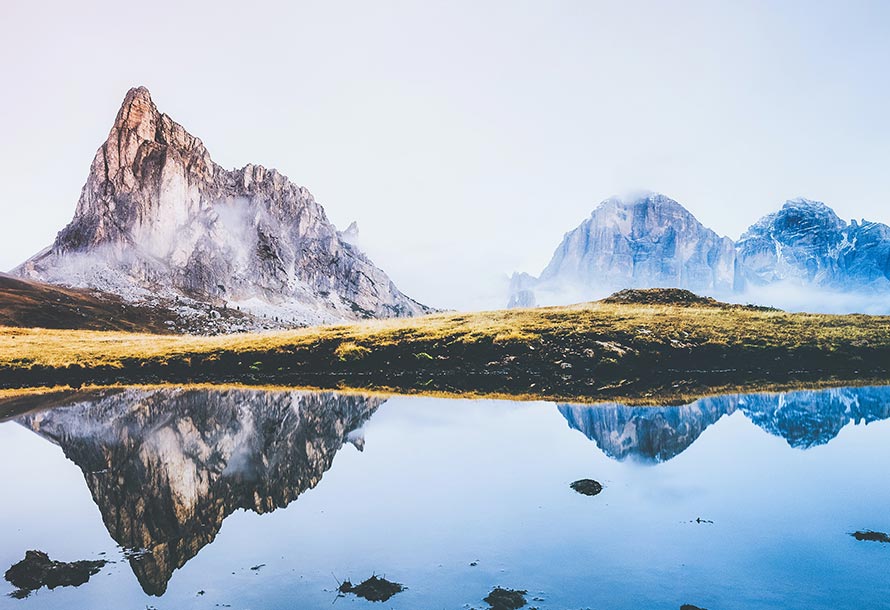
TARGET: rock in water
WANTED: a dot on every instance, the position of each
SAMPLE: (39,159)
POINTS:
(505,599)
(159,221)
(37,570)
(587,487)
(870,536)
(374,589)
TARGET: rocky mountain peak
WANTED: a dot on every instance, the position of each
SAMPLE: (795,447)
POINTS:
(800,218)
(137,110)
(806,244)
(351,233)
(158,220)
(645,240)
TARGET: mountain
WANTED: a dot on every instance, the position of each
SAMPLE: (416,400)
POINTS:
(165,467)
(805,243)
(159,223)
(805,419)
(651,241)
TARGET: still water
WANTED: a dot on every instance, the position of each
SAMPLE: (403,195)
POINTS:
(253,500)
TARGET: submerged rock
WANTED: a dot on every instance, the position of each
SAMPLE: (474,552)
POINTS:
(587,487)
(37,570)
(374,589)
(691,607)
(505,599)
(870,536)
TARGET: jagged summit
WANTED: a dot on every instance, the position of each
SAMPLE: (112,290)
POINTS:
(651,241)
(806,244)
(642,241)
(159,220)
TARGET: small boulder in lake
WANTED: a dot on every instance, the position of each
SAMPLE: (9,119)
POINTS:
(691,607)
(375,589)
(37,570)
(505,599)
(870,536)
(587,487)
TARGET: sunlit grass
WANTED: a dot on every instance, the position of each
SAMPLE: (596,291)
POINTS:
(597,324)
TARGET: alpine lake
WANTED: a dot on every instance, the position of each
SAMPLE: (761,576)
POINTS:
(198,498)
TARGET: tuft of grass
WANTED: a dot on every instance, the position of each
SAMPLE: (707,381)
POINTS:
(350,351)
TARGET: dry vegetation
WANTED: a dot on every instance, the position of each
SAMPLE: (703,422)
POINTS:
(24,303)
(592,349)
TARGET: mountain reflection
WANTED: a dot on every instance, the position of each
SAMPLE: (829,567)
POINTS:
(166,467)
(804,419)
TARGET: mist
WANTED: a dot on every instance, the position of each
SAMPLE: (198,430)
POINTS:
(465,138)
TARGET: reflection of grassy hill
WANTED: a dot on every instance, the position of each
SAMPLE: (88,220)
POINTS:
(591,349)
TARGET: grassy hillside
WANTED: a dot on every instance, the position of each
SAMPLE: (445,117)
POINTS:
(25,303)
(615,347)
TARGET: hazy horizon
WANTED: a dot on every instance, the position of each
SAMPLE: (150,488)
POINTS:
(465,139)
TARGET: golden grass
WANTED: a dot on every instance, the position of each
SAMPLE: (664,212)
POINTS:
(598,322)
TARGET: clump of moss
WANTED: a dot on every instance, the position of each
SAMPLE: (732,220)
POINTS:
(661,296)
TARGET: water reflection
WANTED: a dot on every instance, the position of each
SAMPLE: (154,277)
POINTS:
(166,467)
(804,419)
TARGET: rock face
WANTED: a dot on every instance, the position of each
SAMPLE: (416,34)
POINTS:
(166,467)
(649,241)
(804,419)
(158,219)
(653,242)
(805,243)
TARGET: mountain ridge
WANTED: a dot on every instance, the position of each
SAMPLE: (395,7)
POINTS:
(652,241)
(159,222)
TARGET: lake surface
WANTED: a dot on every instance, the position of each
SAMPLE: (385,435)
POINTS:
(251,500)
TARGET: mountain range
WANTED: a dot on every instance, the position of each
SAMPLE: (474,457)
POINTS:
(160,224)
(651,241)
(165,239)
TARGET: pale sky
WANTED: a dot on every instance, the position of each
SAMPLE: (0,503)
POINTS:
(464,137)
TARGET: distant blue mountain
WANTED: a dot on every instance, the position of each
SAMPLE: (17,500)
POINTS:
(651,241)
(805,242)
